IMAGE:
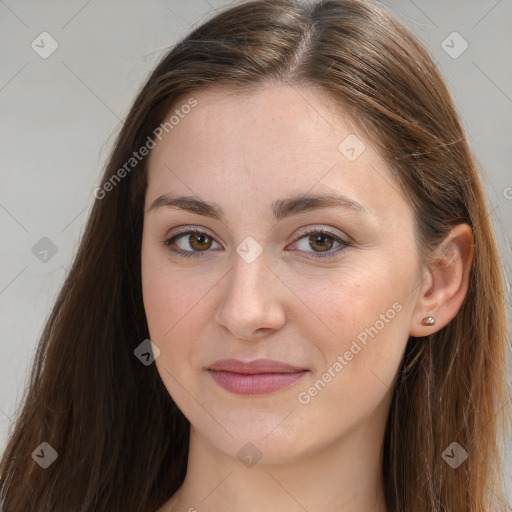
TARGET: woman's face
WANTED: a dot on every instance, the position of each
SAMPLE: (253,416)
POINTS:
(328,290)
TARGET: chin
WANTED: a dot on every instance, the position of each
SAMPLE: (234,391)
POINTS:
(257,437)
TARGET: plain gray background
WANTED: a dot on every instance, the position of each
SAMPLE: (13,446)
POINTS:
(60,113)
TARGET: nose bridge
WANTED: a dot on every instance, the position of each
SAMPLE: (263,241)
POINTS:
(249,302)
(250,274)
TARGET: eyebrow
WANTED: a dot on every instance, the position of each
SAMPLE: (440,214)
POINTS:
(281,208)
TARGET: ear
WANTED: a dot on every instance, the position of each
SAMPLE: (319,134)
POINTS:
(445,282)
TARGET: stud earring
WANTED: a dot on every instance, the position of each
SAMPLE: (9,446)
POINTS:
(428,320)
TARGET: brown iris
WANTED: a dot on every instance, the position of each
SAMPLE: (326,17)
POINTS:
(199,239)
(319,240)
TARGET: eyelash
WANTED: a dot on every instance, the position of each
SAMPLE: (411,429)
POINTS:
(198,254)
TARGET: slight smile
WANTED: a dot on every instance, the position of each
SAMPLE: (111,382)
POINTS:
(255,377)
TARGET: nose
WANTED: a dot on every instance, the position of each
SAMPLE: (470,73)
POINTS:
(251,305)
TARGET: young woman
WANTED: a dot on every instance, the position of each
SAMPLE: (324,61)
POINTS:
(288,293)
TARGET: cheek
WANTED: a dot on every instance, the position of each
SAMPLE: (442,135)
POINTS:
(366,315)
(170,305)
(356,295)
(155,292)
(167,297)
(175,302)
(160,295)
(360,358)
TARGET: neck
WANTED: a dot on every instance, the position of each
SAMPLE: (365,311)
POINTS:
(341,476)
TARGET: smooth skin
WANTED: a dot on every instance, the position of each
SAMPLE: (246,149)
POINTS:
(243,151)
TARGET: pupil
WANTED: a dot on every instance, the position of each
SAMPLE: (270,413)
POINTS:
(198,240)
(320,240)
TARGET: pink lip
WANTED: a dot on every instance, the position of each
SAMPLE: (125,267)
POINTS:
(254,377)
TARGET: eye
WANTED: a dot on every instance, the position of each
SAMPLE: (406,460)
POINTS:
(322,240)
(197,239)
(319,239)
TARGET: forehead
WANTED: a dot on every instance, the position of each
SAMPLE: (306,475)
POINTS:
(283,117)
(264,144)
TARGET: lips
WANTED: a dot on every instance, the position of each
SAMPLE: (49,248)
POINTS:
(254,377)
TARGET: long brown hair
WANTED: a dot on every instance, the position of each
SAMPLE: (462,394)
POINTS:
(122,443)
